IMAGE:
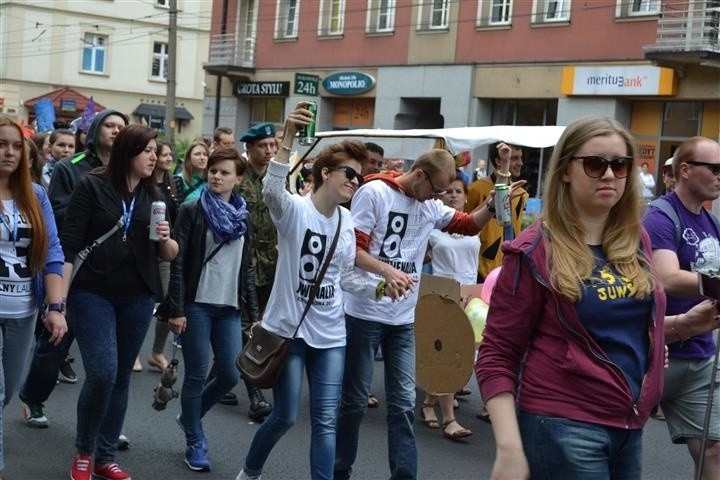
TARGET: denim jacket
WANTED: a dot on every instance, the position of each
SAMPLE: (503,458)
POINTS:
(55,258)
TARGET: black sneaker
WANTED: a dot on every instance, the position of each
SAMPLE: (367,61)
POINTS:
(66,373)
(123,442)
(34,414)
(259,407)
(229,399)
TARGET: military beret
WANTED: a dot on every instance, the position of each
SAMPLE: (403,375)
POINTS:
(258,132)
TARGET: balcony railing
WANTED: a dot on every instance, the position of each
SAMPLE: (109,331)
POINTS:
(683,28)
(232,50)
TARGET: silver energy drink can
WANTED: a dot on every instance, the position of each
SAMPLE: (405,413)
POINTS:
(157,215)
(502,204)
(307,132)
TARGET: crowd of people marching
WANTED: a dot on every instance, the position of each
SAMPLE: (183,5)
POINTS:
(611,325)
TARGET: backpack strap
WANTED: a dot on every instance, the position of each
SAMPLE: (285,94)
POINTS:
(664,206)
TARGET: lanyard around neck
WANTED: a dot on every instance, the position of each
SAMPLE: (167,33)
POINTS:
(12,231)
(127,216)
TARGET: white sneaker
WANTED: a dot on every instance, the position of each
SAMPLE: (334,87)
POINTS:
(244,476)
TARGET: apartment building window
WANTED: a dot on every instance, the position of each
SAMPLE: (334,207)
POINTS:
(287,18)
(332,17)
(93,56)
(637,8)
(494,12)
(159,60)
(381,16)
(433,14)
(549,11)
(163,3)
(267,110)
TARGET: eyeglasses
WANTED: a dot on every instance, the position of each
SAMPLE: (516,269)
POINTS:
(350,173)
(713,167)
(596,166)
(436,192)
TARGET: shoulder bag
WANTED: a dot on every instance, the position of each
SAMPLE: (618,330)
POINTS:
(85,252)
(263,357)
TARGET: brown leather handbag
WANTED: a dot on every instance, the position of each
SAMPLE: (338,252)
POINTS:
(263,357)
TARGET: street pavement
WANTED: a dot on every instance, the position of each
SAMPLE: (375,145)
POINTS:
(157,445)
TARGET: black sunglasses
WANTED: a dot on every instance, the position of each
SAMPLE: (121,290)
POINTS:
(596,166)
(350,173)
(713,167)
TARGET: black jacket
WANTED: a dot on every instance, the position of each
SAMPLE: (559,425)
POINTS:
(190,233)
(117,267)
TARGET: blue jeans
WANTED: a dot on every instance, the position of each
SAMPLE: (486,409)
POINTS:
(45,365)
(109,332)
(561,448)
(398,347)
(219,327)
(325,373)
(16,336)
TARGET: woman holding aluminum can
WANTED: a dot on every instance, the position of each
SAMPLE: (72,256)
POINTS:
(212,281)
(114,292)
(571,363)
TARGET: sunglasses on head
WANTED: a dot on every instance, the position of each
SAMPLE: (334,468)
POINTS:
(350,173)
(596,166)
(713,167)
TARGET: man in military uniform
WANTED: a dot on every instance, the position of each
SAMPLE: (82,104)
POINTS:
(261,146)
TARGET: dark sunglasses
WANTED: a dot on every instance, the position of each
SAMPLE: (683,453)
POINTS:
(713,167)
(596,166)
(350,173)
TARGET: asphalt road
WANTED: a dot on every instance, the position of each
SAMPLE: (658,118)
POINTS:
(157,445)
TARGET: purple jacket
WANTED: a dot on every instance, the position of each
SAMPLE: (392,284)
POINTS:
(536,347)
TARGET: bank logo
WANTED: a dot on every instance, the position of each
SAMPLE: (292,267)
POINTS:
(312,253)
(395,232)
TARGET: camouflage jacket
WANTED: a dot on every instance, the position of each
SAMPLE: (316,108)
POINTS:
(264,241)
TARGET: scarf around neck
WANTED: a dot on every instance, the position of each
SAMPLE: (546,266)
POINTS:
(227,220)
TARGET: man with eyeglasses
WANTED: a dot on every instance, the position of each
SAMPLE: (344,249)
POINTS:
(682,247)
(394,214)
(492,235)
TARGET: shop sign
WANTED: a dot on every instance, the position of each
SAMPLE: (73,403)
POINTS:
(348,83)
(261,89)
(68,105)
(306,84)
(619,80)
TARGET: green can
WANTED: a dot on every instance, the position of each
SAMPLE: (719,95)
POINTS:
(307,132)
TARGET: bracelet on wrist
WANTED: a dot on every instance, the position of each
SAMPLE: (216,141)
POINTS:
(502,174)
(674,330)
(490,205)
(286,148)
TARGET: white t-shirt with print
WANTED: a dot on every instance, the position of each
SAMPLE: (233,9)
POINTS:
(399,227)
(455,256)
(16,296)
(304,238)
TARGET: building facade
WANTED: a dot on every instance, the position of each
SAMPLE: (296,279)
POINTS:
(653,65)
(115,51)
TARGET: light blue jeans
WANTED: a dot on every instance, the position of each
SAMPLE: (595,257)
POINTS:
(109,332)
(219,327)
(398,347)
(16,336)
(562,448)
(324,373)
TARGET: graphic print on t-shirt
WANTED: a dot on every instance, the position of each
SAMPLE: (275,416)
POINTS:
(15,275)
(312,255)
(394,234)
(707,252)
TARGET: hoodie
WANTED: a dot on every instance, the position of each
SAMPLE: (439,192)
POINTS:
(69,171)
(536,347)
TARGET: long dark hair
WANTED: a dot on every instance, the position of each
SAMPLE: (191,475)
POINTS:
(129,143)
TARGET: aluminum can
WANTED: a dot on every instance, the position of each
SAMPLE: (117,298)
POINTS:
(307,132)
(502,204)
(157,215)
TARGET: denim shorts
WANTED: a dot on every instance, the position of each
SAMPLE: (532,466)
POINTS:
(557,447)
(685,399)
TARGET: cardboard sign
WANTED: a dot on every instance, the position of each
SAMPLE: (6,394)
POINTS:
(444,338)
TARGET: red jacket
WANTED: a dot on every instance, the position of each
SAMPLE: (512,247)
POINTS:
(536,347)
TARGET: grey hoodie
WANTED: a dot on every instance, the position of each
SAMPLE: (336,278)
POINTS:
(69,171)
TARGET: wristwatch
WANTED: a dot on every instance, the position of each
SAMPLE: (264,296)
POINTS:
(56,307)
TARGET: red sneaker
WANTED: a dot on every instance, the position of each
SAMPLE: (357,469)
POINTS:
(80,469)
(111,471)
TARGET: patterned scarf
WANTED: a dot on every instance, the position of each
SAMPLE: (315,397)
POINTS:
(227,220)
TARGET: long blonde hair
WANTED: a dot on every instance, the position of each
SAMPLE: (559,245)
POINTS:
(570,260)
